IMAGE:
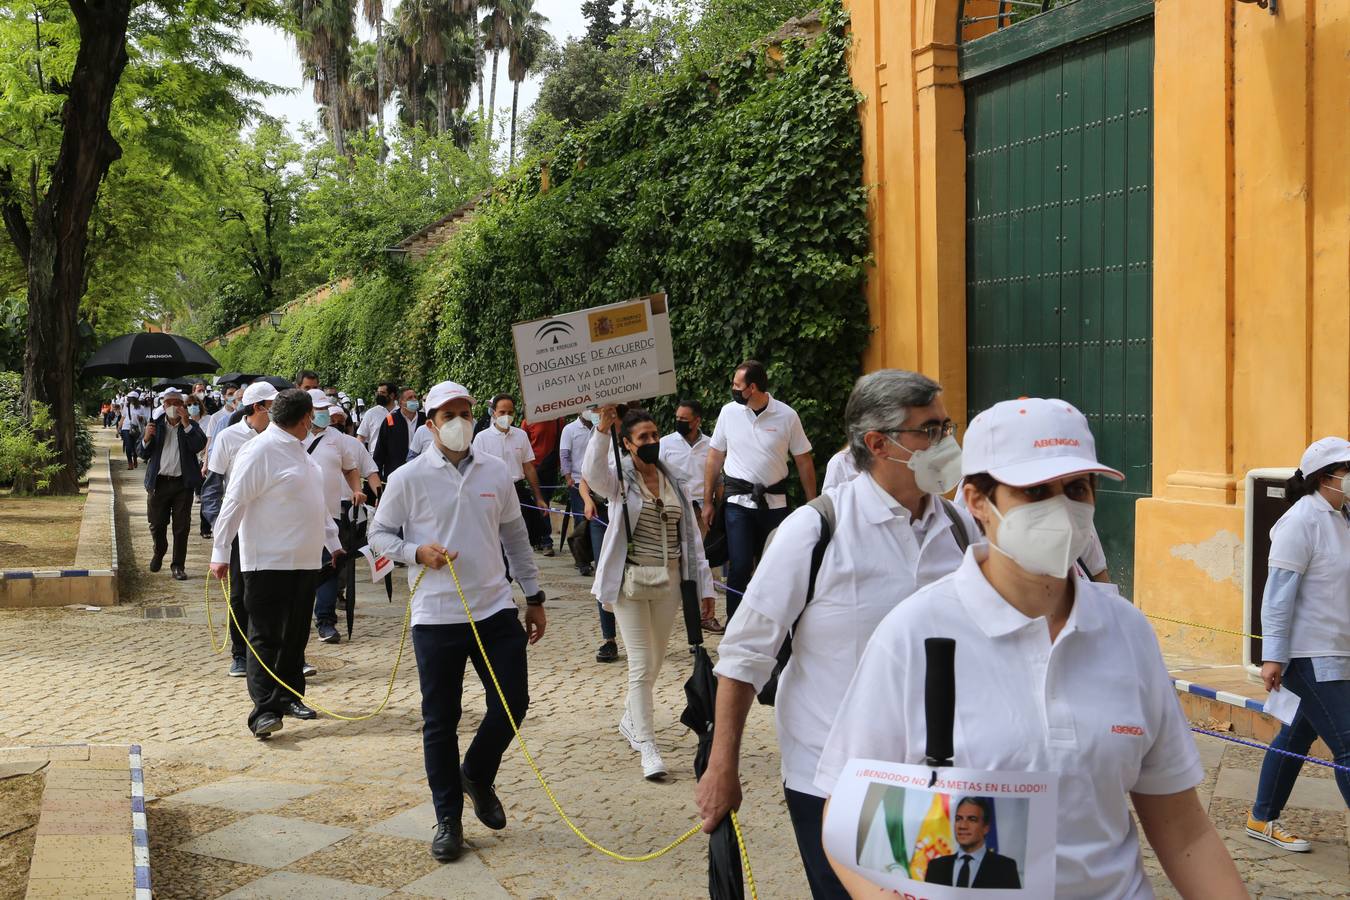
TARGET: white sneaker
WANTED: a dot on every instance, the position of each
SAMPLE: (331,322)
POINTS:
(626,729)
(1273,832)
(653,768)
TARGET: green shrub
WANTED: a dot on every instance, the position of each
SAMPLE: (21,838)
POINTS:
(26,452)
(84,445)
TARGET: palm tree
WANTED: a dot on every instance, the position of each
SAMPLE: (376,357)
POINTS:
(496,28)
(373,12)
(324,37)
(363,94)
(529,39)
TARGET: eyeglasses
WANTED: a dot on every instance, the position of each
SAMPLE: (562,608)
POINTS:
(934,433)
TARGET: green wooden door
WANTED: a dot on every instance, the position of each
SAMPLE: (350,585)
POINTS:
(1059,250)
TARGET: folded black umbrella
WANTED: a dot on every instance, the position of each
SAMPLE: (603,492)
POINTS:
(352,529)
(700,693)
(152,354)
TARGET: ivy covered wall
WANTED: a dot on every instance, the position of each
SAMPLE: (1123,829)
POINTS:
(738,191)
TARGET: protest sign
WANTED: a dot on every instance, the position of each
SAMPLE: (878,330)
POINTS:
(619,353)
(909,828)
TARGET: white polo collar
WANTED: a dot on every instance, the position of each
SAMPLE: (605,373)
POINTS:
(878,506)
(997,617)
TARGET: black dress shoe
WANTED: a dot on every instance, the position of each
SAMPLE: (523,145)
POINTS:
(448,843)
(297,710)
(156,562)
(178,573)
(266,725)
(486,806)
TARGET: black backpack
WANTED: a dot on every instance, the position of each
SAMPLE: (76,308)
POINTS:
(824,504)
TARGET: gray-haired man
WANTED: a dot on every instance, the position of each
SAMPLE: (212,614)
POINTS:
(891,533)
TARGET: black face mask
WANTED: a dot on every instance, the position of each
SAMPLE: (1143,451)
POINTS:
(738,396)
(649,453)
(683,428)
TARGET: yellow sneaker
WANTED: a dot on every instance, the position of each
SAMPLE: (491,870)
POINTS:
(1273,833)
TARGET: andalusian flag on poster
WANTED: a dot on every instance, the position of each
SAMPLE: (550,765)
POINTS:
(935,837)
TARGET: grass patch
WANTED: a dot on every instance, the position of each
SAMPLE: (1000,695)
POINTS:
(40,531)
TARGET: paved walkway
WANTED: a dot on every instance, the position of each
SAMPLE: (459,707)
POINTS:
(334,810)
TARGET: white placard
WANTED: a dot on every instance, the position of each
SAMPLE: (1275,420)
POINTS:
(618,353)
(901,829)
(380,566)
(1283,704)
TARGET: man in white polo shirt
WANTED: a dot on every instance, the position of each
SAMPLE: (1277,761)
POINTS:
(511,445)
(457,501)
(274,501)
(750,446)
(341,481)
(257,399)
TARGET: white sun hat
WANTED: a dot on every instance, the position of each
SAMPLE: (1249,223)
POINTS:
(1031,441)
(444,392)
(1322,453)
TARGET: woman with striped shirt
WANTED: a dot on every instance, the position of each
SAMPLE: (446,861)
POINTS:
(641,578)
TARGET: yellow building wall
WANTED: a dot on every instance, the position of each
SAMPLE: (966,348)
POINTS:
(1251,292)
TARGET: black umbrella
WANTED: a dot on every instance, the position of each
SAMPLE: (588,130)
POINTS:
(700,692)
(352,530)
(165,385)
(233,378)
(153,354)
(276,381)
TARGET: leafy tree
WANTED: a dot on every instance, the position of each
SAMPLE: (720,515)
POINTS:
(81,78)
(582,84)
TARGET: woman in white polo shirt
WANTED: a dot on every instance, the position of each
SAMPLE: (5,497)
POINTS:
(1054,673)
(1305,631)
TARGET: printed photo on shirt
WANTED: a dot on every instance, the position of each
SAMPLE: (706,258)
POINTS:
(969,833)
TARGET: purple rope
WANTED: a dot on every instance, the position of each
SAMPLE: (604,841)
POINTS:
(1259,746)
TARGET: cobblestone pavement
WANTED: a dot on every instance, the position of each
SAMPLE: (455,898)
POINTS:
(331,809)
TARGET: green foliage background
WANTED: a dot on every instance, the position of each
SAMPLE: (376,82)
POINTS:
(739,191)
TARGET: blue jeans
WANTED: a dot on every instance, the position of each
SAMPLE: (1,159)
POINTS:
(578,507)
(807,813)
(1324,711)
(442,651)
(325,598)
(747,529)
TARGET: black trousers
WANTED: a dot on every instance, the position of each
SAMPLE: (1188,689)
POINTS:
(237,605)
(171,500)
(807,813)
(441,653)
(537,522)
(279,605)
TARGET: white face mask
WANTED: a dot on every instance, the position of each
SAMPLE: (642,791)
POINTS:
(456,434)
(171,413)
(936,469)
(503,422)
(1045,537)
(1344,487)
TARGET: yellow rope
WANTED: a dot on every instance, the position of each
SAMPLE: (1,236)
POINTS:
(407,615)
(501,695)
(1198,625)
(543,782)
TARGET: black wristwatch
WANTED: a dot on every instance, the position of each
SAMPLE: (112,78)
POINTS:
(535,599)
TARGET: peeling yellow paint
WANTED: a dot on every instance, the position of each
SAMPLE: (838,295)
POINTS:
(1220,557)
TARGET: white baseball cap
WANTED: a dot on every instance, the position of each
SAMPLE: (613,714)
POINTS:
(1031,441)
(258,392)
(1322,453)
(444,392)
(320,399)
(171,392)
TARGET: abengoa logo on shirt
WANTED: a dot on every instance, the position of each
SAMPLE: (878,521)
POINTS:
(1055,442)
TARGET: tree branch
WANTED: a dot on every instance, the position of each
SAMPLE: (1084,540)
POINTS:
(15,223)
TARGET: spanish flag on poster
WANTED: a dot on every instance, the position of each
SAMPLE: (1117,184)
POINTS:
(935,837)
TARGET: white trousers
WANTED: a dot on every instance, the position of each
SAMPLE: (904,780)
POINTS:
(645,622)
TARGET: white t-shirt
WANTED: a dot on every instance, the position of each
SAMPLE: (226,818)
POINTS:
(334,457)
(226,446)
(511,447)
(1313,539)
(1097,707)
(369,427)
(877,557)
(689,460)
(419,442)
(758,446)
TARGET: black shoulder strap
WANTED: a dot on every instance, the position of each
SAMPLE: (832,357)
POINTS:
(824,504)
(959,532)
(315,444)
